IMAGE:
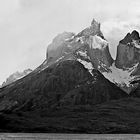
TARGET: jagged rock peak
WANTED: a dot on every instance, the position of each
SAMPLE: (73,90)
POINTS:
(68,43)
(95,23)
(130,37)
(135,35)
(93,29)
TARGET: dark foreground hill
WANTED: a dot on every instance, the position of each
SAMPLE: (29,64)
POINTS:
(119,116)
(60,94)
(52,103)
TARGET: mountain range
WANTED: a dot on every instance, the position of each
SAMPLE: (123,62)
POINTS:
(78,88)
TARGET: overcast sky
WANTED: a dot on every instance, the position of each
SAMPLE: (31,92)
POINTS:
(28,26)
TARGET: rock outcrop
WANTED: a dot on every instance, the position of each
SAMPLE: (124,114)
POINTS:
(15,76)
(90,39)
(91,43)
(128,51)
(128,59)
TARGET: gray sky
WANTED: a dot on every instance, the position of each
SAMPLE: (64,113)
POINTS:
(28,26)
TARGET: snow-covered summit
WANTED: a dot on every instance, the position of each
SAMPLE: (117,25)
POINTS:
(90,39)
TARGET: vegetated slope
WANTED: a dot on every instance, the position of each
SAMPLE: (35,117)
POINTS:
(118,116)
(91,42)
(68,81)
(55,98)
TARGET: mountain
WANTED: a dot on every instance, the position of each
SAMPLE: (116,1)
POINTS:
(91,46)
(67,85)
(89,43)
(128,60)
(77,89)
(15,76)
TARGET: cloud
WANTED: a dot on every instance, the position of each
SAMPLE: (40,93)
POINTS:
(29,4)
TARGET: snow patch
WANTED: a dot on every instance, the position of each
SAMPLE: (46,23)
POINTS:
(120,76)
(83,54)
(96,42)
(136,44)
(87,65)
(102,65)
(60,58)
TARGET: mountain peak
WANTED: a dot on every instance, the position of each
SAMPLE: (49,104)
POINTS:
(94,22)
(135,35)
(93,29)
(130,37)
(90,38)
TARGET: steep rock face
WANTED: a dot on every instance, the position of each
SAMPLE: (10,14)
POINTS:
(122,78)
(15,76)
(91,45)
(99,53)
(94,29)
(128,51)
(127,61)
(90,39)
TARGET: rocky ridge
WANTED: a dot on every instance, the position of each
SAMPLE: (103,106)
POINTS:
(91,43)
(15,76)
